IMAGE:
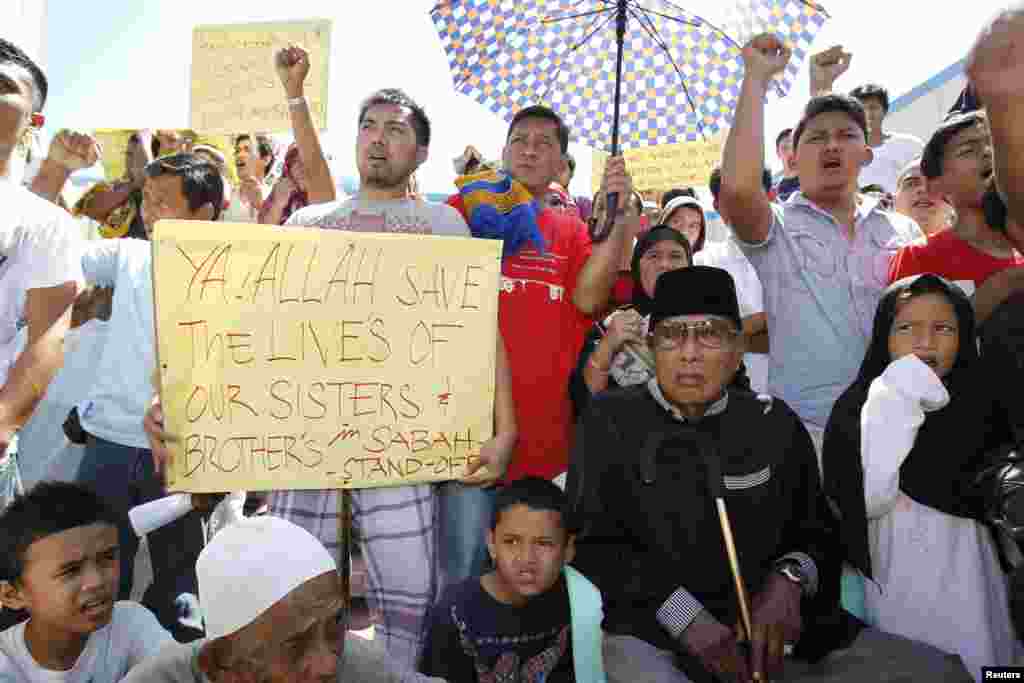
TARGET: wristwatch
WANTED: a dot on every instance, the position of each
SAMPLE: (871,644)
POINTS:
(791,571)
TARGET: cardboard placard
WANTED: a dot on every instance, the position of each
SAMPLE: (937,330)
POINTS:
(235,86)
(114,143)
(320,359)
(660,168)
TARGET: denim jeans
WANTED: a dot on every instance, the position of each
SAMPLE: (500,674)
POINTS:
(465,517)
(124,477)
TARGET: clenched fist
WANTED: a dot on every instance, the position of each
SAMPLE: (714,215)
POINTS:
(74,151)
(292,64)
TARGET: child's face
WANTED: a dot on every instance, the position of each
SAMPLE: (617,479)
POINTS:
(70,580)
(927,326)
(529,548)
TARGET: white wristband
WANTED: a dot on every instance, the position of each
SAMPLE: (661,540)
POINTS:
(296,101)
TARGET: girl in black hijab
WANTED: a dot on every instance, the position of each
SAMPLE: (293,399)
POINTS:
(901,450)
(615,351)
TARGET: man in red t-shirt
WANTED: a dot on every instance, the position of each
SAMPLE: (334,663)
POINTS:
(957,164)
(548,296)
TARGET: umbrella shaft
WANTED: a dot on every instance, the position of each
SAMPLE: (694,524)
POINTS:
(620,39)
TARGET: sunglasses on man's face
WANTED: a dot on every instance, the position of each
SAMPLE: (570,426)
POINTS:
(711,334)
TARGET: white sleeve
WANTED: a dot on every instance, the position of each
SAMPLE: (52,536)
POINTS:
(141,635)
(889,422)
(454,223)
(53,254)
(99,262)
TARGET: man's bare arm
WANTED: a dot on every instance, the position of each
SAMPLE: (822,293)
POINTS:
(744,203)
(293,67)
(995,67)
(48,313)
(598,275)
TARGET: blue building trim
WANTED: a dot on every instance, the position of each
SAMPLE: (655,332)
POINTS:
(933,83)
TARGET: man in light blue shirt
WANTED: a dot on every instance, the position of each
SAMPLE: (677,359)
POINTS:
(117,462)
(823,256)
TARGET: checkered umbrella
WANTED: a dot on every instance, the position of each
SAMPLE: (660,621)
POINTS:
(621,73)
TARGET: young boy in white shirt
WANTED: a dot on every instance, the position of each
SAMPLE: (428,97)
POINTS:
(59,563)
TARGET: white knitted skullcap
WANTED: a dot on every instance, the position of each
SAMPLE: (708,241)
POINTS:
(252,564)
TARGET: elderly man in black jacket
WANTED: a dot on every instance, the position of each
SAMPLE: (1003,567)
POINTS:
(649,463)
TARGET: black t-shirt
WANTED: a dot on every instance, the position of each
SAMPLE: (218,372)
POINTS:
(474,638)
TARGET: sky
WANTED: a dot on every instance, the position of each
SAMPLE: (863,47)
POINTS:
(125,63)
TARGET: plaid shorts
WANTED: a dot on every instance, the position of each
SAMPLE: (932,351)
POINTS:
(398,531)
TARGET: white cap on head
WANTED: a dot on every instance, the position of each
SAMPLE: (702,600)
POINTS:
(252,564)
(678,202)
(914,165)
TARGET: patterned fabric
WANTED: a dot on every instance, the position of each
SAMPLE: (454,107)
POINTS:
(119,222)
(681,73)
(510,668)
(10,479)
(398,531)
(498,207)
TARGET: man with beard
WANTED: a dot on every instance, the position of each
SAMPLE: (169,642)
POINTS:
(397,525)
(957,163)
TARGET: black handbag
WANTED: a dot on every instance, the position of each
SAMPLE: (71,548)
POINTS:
(1001,487)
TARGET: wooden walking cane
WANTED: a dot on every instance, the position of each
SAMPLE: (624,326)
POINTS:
(345,541)
(714,467)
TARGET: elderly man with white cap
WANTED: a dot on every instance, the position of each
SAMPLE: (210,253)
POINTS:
(275,612)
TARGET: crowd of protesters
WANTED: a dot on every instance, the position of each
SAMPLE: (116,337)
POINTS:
(788,455)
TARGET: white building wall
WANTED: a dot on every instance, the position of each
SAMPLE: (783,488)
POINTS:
(920,111)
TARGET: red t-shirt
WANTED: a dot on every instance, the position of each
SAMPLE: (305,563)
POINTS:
(947,255)
(543,332)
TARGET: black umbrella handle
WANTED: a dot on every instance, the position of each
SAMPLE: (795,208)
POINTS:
(600,234)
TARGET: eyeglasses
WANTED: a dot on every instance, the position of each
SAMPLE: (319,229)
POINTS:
(175,163)
(711,334)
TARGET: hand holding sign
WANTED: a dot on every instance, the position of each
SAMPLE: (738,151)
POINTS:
(311,359)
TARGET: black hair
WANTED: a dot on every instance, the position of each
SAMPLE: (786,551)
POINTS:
(570,161)
(677,192)
(824,104)
(535,493)
(201,182)
(659,233)
(715,181)
(420,122)
(786,133)
(539,111)
(994,207)
(870,91)
(49,508)
(12,54)
(935,149)
(263,145)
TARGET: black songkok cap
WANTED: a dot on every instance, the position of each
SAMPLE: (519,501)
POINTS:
(697,290)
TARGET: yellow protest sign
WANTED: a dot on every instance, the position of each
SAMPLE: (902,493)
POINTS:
(114,143)
(235,86)
(311,359)
(663,167)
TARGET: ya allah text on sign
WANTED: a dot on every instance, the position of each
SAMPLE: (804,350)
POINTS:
(309,359)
